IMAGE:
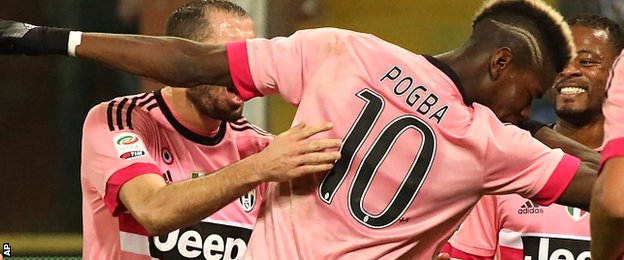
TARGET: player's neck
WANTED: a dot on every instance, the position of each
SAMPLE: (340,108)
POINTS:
(466,71)
(590,134)
(187,113)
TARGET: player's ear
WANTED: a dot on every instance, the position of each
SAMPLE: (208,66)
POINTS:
(499,62)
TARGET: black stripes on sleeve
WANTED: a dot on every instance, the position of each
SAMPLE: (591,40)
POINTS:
(109,115)
(120,112)
(146,101)
(118,107)
(242,125)
(129,112)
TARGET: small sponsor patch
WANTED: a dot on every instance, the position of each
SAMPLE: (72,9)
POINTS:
(166,156)
(576,213)
(530,207)
(248,201)
(129,146)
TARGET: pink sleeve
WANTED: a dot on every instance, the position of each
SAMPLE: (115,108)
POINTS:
(112,157)
(558,181)
(614,148)
(238,61)
(261,67)
(613,110)
(518,163)
(118,179)
(478,234)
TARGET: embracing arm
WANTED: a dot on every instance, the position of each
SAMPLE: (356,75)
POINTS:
(173,61)
(157,206)
(553,139)
(162,208)
(607,212)
(578,192)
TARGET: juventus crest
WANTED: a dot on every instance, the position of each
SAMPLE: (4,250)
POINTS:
(248,201)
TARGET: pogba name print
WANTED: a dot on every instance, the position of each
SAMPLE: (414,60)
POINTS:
(416,95)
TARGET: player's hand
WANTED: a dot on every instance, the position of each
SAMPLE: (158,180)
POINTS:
(21,38)
(12,37)
(291,154)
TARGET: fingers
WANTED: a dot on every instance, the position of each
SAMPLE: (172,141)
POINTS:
(303,131)
(310,169)
(319,158)
(320,145)
(291,155)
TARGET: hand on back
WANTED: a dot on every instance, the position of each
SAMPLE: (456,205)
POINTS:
(291,154)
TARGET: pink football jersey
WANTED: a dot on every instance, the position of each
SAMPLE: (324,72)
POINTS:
(511,227)
(613,110)
(135,135)
(416,154)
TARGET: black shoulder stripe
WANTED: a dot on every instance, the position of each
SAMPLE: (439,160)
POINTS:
(129,112)
(115,110)
(244,123)
(248,127)
(144,95)
(144,102)
(241,128)
(109,115)
(120,113)
(152,106)
(259,130)
(240,122)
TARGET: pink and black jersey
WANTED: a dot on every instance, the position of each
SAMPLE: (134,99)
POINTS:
(135,135)
(416,154)
(613,143)
(510,227)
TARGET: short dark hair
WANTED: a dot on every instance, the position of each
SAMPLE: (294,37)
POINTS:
(536,22)
(190,20)
(616,36)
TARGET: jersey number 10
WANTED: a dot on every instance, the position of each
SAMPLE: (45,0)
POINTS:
(371,162)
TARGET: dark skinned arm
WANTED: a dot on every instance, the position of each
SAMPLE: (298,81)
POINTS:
(607,212)
(173,61)
(578,193)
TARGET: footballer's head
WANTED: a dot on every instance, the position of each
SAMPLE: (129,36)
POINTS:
(213,22)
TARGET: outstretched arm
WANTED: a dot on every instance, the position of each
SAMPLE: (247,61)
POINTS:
(173,61)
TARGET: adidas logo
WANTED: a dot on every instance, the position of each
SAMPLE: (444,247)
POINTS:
(530,208)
